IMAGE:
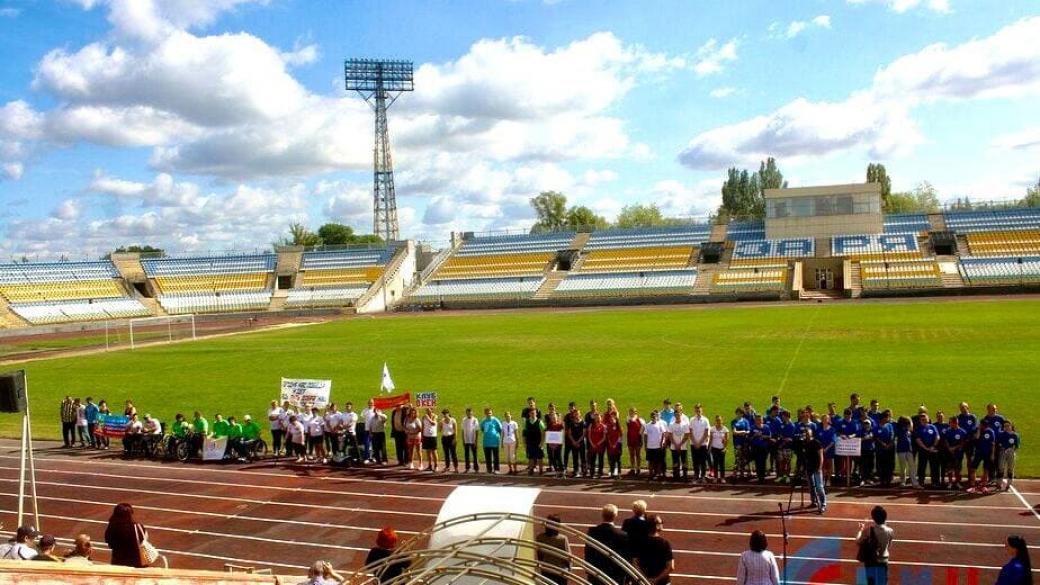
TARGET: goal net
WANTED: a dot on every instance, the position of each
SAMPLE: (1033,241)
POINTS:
(168,329)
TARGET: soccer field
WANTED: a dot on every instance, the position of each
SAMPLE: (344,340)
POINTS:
(905,354)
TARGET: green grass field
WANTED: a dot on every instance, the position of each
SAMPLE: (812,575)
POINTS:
(934,353)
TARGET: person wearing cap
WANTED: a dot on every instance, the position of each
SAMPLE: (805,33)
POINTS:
(47,544)
(152,432)
(386,542)
(132,435)
(20,547)
(80,554)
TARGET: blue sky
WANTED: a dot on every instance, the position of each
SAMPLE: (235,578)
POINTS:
(212,124)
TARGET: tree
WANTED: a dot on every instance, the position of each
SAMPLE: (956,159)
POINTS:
(336,234)
(1032,198)
(638,215)
(744,193)
(551,208)
(876,173)
(136,249)
(579,216)
(923,199)
(299,235)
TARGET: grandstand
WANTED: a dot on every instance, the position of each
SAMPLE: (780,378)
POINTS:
(217,284)
(64,292)
(337,278)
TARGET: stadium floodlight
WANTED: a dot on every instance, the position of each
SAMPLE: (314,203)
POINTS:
(380,83)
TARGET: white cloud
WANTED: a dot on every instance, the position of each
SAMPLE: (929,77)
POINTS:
(150,20)
(68,210)
(12,170)
(8,12)
(1026,139)
(796,27)
(598,177)
(301,55)
(900,6)
(722,92)
(679,200)
(713,57)
(879,119)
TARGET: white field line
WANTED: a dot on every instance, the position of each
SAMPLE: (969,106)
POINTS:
(1025,502)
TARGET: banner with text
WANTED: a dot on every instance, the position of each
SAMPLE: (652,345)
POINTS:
(425,399)
(214,449)
(111,425)
(389,402)
(848,447)
(306,393)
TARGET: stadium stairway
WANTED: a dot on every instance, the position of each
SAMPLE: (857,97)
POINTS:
(8,319)
(552,280)
(855,284)
(290,258)
(580,240)
(936,222)
(393,284)
(705,277)
(278,300)
(718,232)
(129,267)
(152,305)
(962,245)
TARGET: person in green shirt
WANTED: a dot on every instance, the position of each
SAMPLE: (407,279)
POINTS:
(201,426)
(221,428)
(181,428)
(250,430)
(249,433)
(234,435)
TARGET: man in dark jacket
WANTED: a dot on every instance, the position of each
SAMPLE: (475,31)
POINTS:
(612,538)
(636,528)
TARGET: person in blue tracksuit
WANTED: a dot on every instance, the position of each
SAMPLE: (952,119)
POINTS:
(885,448)
(926,439)
(954,441)
(761,445)
(985,456)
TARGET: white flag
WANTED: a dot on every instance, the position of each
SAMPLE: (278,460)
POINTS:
(388,384)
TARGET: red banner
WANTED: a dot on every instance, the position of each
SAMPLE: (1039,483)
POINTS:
(389,402)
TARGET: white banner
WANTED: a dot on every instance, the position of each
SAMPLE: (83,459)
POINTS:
(306,393)
(554,438)
(214,449)
(848,447)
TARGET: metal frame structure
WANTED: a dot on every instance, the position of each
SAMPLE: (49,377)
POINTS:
(472,558)
(380,83)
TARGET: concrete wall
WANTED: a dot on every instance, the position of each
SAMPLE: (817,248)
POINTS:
(388,290)
(30,573)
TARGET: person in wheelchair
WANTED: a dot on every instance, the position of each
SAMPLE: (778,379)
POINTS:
(132,437)
(178,434)
(151,434)
(200,428)
(234,435)
(247,440)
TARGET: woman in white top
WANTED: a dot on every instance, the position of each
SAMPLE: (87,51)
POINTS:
(429,439)
(274,415)
(448,429)
(757,566)
(718,440)
(295,436)
(509,432)
(316,432)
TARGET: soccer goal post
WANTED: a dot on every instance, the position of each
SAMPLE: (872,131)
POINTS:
(161,329)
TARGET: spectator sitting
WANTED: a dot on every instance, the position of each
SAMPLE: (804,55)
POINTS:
(320,573)
(657,561)
(20,547)
(81,552)
(47,544)
(386,542)
(556,566)
(757,566)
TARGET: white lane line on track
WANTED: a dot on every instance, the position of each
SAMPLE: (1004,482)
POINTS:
(577,546)
(1025,502)
(725,533)
(419,481)
(355,509)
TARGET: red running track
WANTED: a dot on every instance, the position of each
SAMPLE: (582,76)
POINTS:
(284,516)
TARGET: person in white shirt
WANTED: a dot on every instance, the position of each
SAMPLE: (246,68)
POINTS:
(20,547)
(350,439)
(133,435)
(295,435)
(448,430)
(678,438)
(719,440)
(699,438)
(654,432)
(376,427)
(509,432)
(429,439)
(470,430)
(305,416)
(757,566)
(274,416)
(364,439)
(81,424)
(316,435)
(333,431)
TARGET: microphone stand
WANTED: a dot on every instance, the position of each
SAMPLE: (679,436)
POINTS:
(783,527)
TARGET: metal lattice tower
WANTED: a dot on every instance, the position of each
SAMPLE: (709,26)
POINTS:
(380,83)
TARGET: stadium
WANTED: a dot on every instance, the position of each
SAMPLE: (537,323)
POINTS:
(808,385)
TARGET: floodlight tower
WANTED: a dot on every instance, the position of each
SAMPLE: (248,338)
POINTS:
(380,83)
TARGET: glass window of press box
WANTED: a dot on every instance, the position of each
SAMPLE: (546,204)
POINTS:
(821,205)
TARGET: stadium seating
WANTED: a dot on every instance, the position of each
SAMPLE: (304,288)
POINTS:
(739,231)
(906,223)
(342,269)
(637,259)
(47,291)
(219,265)
(495,265)
(771,252)
(663,282)
(993,220)
(900,274)
(1000,271)
(889,247)
(324,297)
(1004,243)
(684,235)
(81,310)
(478,289)
(217,302)
(516,244)
(737,280)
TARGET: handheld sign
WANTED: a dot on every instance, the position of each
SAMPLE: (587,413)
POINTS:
(848,447)
(423,399)
(306,393)
(554,438)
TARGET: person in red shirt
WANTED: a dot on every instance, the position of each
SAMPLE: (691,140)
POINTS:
(634,433)
(614,437)
(597,434)
(555,451)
